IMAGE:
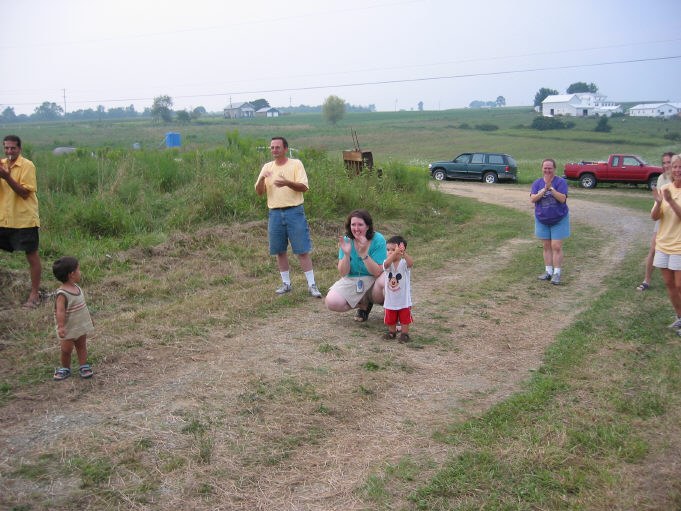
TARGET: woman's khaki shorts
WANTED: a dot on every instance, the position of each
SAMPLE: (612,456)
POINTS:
(347,288)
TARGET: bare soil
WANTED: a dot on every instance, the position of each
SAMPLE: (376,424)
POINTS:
(288,409)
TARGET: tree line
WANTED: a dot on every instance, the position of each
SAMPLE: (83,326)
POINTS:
(161,110)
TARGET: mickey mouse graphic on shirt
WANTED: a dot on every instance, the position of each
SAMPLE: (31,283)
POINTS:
(397,304)
(394,281)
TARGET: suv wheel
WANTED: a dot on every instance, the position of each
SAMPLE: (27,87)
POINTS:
(439,175)
(490,178)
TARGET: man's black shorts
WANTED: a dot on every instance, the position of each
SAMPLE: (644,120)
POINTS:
(22,240)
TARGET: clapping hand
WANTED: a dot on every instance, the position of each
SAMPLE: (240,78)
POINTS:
(281,181)
(345,245)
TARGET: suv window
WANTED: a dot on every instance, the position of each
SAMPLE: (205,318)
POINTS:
(478,158)
(463,158)
(495,159)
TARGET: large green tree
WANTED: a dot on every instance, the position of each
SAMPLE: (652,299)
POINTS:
(162,109)
(183,117)
(48,111)
(8,114)
(333,109)
(582,87)
(542,94)
(259,103)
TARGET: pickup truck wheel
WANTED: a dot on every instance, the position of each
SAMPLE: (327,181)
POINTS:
(490,178)
(439,175)
(652,182)
(588,181)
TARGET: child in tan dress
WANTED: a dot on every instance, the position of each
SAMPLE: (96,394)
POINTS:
(72,318)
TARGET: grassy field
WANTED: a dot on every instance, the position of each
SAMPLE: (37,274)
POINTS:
(161,232)
(412,138)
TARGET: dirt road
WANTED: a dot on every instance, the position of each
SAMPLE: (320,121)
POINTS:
(292,415)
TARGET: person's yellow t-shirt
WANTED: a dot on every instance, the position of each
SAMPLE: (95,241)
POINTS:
(16,212)
(668,238)
(283,196)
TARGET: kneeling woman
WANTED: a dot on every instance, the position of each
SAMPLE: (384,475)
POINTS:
(360,263)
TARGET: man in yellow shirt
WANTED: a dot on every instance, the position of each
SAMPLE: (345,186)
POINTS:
(284,181)
(19,220)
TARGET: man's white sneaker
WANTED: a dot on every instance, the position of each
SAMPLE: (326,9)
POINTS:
(284,288)
(676,324)
(314,291)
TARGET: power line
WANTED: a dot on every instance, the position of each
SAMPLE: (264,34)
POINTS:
(385,82)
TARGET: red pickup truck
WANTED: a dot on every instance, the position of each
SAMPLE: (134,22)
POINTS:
(620,168)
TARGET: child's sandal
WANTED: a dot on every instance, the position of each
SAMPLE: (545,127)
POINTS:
(85,371)
(404,338)
(389,335)
(61,373)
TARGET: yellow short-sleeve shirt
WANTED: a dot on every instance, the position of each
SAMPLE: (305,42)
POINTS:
(16,212)
(283,196)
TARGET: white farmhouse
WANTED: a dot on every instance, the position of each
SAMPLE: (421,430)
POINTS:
(580,104)
(655,110)
(239,110)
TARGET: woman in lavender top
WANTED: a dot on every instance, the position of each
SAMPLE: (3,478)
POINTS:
(551,218)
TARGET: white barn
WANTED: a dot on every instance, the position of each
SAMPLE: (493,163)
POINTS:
(581,104)
(267,111)
(655,110)
(239,110)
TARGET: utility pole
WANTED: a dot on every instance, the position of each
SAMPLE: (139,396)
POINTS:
(64,91)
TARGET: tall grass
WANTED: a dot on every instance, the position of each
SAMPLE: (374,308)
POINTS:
(112,199)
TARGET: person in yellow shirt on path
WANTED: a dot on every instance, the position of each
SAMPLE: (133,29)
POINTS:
(19,220)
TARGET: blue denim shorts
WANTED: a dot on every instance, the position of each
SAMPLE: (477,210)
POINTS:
(558,231)
(289,224)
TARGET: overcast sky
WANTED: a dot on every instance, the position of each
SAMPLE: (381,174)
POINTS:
(392,54)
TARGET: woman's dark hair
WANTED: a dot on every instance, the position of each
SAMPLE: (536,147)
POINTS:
(364,215)
(63,266)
